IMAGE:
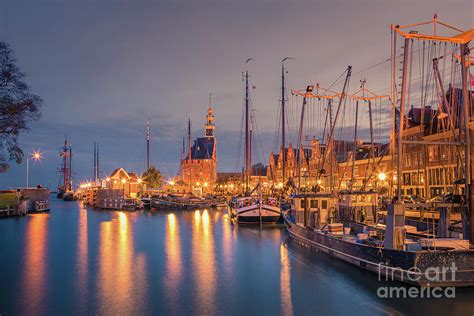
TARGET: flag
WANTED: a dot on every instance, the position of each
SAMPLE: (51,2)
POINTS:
(472,80)
(254,87)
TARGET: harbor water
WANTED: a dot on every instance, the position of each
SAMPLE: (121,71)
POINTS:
(80,260)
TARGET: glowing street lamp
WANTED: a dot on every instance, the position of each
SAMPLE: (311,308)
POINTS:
(36,156)
(382,176)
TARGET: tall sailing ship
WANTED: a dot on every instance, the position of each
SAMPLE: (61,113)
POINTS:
(65,189)
(344,224)
(253,207)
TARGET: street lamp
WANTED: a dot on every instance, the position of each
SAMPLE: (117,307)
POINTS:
(36,155)
(382,176)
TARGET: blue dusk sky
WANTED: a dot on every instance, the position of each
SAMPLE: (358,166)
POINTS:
(104,67)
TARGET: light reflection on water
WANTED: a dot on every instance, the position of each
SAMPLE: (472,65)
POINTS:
(121,283)
(183,262)
(204,263)
(174,265)
(34,269)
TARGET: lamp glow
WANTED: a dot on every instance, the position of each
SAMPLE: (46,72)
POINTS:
(382,176)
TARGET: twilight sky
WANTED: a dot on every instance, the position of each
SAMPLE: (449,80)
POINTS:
(104,67)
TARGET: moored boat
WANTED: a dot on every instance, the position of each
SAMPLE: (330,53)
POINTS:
(255,210)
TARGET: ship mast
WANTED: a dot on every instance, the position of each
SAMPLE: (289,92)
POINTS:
(247,128)
(148,144)
(283,120)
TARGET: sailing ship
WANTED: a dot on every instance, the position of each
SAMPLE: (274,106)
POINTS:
(65,190)
(341,224)
(253,207)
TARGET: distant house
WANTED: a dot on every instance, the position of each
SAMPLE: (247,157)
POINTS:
(129,182)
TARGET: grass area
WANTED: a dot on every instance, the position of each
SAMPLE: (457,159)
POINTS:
(7,199)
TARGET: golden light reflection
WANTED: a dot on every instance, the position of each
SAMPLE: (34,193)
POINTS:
(122,285)
(82,256)
(204,264)
(285,282)
(34,285)
(174,265)
(227,243)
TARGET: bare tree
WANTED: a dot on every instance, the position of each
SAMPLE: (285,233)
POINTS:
(18,106)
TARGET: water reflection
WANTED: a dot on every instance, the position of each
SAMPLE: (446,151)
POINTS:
(174,265)
(204,263)
(82,256)
(285,282)
(227,243)
(34,268)
(121,282)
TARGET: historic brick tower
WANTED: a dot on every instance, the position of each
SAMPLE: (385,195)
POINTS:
(199,167)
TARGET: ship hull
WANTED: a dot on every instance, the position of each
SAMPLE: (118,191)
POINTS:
(389,264)
(256,214)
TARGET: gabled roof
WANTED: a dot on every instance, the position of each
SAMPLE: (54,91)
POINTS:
(116,171)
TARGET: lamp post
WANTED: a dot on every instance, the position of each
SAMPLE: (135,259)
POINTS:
(36,155)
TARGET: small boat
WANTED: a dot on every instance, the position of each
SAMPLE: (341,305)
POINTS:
(256,210)
(69,196)
(146,203)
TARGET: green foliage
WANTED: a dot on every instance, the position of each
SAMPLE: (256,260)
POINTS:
(152,177)
(18,106)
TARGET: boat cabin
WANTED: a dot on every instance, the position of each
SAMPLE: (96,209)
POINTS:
(313,210)
(358,206)
(251,200)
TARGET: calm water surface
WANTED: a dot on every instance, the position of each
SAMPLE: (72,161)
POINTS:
(78,260)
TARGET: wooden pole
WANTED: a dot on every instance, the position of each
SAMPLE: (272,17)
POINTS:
(402,121)
(467,139)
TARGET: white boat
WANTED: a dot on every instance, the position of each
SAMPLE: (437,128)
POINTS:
(256,210)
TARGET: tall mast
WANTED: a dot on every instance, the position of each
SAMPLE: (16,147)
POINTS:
(65,172)
(148,144)
(467,139)
(189,139)
(247,127)
(401,120)
(70,168)
(283,120)
(97,163)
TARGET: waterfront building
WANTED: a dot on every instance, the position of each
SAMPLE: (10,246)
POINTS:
(129,182)
(198,170)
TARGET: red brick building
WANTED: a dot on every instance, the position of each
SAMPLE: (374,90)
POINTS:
(198,171)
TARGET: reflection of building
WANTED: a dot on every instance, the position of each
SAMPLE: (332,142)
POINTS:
(198,170)
(129,182)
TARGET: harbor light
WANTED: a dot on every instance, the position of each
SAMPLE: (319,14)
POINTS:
(139,180)
(382,176)
(107,179)
(206,184)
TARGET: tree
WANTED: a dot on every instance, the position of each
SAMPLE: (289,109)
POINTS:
(153,177)
(18,106)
